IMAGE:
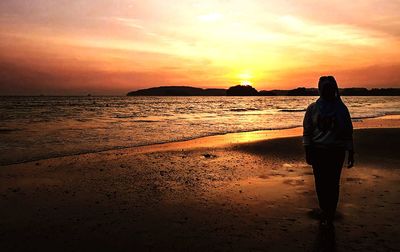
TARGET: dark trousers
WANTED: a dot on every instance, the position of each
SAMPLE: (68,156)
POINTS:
(327,167)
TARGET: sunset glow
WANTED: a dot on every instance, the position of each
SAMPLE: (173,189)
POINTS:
(111,47)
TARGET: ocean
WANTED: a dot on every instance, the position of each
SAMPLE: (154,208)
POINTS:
(34,128)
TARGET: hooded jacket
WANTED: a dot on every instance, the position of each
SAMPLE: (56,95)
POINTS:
(327,124)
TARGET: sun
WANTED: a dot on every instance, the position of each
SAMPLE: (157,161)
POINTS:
(246,83)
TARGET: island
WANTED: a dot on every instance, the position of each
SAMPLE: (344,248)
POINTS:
(178,91)
(242,90)
(246,90)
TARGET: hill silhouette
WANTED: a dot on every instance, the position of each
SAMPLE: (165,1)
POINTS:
(178,91)
(241,90)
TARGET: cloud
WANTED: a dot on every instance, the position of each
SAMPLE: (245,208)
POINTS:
(130,22)
(208,42)
(377,75)
(211,17)
(329,33)
(17,79)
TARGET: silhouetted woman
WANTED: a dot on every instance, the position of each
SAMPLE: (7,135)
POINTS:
(327,135)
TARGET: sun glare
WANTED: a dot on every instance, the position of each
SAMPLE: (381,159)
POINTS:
(245,76)
(246,83)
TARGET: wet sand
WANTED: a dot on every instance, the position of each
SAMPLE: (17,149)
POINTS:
(243,192)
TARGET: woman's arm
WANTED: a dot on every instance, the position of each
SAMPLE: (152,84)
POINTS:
(349,140)
(308,126)
(308,129)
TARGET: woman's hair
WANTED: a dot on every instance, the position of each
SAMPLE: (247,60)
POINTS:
(328,82)
(327,79)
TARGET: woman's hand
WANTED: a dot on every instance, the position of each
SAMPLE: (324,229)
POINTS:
(350,159)
(309,156)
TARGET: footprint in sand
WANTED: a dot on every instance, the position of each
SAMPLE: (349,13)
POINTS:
(359,180)
(208,155)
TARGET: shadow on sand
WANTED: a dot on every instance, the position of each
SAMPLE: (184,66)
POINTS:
(325,240)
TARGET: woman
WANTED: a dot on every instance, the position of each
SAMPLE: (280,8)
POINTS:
(327,135)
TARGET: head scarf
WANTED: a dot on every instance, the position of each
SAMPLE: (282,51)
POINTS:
(334,108)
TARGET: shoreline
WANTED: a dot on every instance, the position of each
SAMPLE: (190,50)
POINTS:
(227,139)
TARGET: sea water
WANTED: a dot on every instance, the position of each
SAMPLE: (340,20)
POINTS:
(33,128)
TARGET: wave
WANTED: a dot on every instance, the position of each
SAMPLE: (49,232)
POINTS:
(81,152)
(8,130)
(123,116)
(146,121)
(374,115)
(243,109)
(292,110)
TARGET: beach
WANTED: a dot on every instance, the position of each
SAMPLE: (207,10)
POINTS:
(249,191)
(191,125)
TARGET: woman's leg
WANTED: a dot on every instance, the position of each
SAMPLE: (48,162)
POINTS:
(327,169)
(333,181)
(320,177)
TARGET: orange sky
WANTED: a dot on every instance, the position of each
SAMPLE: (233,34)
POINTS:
(111,47)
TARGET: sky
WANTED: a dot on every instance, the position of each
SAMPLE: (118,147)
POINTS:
(115,46)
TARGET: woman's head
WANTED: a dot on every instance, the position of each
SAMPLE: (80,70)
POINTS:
(328,88)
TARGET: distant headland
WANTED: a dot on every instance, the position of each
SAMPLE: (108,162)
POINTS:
(244,90)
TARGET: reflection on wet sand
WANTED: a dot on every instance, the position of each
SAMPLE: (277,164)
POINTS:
(247,196)
(325,240)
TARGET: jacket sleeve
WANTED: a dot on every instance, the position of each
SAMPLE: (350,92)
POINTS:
(349,132)
(308,126)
